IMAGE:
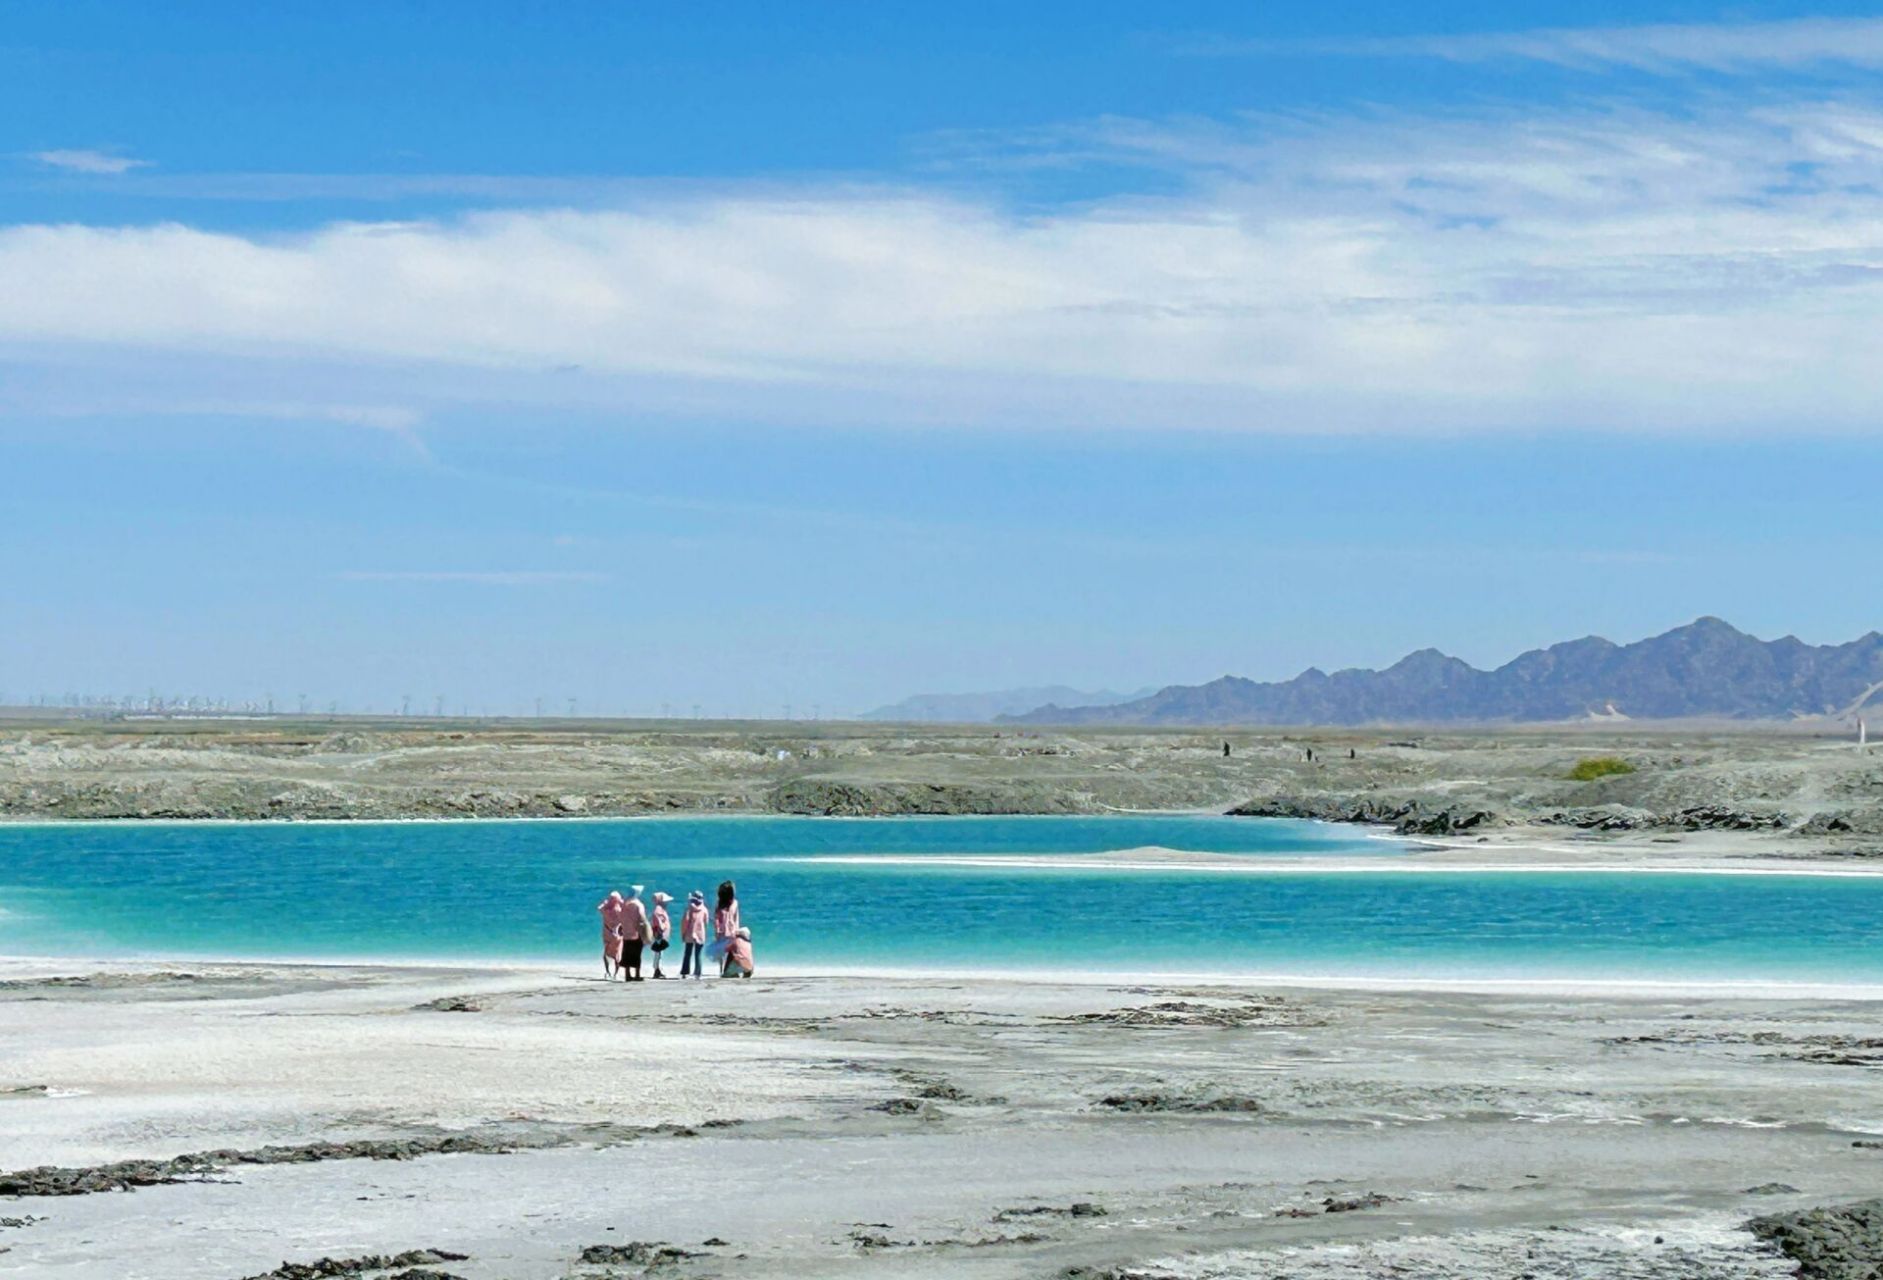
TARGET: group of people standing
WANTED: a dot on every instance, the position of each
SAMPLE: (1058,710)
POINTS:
(630,929)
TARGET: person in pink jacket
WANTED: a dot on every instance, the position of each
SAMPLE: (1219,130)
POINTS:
(725,922)
(634,931)
(659,930)
(693,936)
(739,955)
(612,908)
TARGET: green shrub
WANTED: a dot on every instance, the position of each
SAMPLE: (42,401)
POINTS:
(1589,768)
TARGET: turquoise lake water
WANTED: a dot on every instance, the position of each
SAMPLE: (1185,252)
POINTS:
(894,893)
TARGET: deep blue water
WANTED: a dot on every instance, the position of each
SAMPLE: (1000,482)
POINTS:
(527,890)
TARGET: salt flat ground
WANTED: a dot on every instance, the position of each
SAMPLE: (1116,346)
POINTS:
(831,1126)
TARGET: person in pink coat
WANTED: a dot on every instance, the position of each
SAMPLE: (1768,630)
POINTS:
(659,930)
(725,921)
(739,955)
(693,936)
(612,908)
(634,934)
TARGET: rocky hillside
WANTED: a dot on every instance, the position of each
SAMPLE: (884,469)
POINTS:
(1704,669)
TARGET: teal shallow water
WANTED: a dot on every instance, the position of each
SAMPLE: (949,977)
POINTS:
(897,895)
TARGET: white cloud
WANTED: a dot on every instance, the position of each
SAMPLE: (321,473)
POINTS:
(1598,269)
(498,578)
(81,160)
(1667,47)
(397,419)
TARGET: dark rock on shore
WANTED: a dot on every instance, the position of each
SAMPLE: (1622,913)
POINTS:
(450,1004)
(636,1253)
(1077,1209)
(907,1107)
(824,798)
(1719,817)
(1353,1204)
(1183,1102)
(1433,816)
(1249,1011)
(127,1175)
(1408,817)
(1840,1243)
(413,1264)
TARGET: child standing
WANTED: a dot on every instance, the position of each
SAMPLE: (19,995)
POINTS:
(659,930)
(693,936)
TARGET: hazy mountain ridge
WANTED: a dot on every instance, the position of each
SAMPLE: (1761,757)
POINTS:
(972,708)
(1706,668)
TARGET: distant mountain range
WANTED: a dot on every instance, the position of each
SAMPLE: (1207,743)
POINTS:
(978,708)
(1706,668)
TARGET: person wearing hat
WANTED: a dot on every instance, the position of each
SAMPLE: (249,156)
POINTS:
(738,955)
(634,930)
(611,909)
(659,930)
(693,936)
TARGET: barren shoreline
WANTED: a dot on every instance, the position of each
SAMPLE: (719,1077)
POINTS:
(914,1126)
(1809,793)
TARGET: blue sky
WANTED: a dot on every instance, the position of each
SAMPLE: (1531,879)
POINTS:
(746,356)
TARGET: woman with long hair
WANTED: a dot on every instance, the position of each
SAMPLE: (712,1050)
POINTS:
(725,922)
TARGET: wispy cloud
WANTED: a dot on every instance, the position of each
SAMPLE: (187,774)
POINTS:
(1666,47)
(398,419)
(84,160)
(494,578)
(1716,268)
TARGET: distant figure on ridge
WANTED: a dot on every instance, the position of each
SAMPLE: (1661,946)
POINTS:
(1225,751)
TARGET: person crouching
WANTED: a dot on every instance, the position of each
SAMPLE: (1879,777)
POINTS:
(738,956)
